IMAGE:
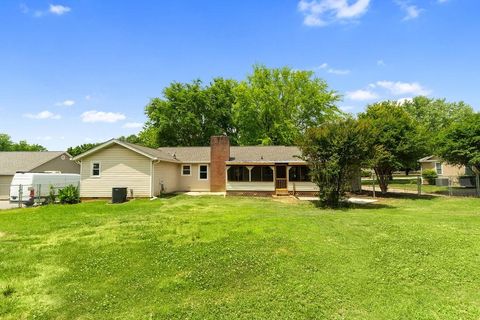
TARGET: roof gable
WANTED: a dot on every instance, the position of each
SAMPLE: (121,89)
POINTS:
(13,161)
(153,154)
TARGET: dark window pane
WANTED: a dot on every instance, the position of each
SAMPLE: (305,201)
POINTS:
(299,173)
(203,172)
(237,173)
(281,172)
(186,170)
(262,173)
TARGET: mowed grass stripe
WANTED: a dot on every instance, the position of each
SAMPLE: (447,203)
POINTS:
(245,258)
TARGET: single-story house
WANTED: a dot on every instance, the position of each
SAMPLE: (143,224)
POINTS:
(147,172)
(444,169)
(12,162)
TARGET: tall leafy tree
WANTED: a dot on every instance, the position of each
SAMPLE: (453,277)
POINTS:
(334,152)
(190,113)
(275,106)
(6,144)
(460,143)
(396,139)
(75,151)
(436,115)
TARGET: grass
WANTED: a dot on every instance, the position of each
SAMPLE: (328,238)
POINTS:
(411,185)
(241,258)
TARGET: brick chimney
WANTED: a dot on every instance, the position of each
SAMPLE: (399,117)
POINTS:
(219,153)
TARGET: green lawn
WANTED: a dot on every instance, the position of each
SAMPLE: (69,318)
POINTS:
(241,258)
(411,185)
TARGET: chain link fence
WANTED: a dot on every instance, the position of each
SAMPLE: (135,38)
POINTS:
(453,186)
(31,194)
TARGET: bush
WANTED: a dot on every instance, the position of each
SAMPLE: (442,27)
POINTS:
(366,173)
(430,175)
(52,197)
(69,195)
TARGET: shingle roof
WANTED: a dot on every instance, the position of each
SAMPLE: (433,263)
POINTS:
(237,154)
(155,153)
(13,161)
(188,154)
(265,153)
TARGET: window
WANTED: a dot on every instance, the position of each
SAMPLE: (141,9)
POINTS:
(237,173)
(203,172)
(299,173)
(186,170)
(262,173)
(95,169)
(438,167)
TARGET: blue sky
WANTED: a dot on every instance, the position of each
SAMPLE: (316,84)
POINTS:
(80,71)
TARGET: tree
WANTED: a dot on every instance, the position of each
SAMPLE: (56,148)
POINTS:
(22,145)
(334,152)
(396,139)
(190,113)
(133,138)
(435,115)
(276,106)
(460,143)
(75,151)
(6,144)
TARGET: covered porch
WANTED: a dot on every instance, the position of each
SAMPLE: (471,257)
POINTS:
(266,178)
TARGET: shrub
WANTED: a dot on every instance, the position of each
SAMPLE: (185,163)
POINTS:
(69,195)
(52,196)
(430,175)
(366,173)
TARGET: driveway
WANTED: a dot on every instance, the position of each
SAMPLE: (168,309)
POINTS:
(7,205)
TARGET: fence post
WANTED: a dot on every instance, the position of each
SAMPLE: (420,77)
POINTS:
(373,183)
(419,185)
(39,192)
(20,194)
(450,191)
(477,182)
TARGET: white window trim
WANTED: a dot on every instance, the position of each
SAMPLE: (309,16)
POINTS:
(208,171)
(441,168)
(99,169)
(181,170)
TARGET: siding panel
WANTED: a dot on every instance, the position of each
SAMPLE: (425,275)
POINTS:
(120,167)
(5,182)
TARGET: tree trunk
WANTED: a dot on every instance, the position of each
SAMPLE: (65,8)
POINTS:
(383,178)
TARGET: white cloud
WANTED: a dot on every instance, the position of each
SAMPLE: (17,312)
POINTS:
(361,95)
(66,103)
(403,100)
(55,9)
(132,125)
(381,63)
(402,88)
(323,12)
(325,66)
(101,116)
(58,9)
(43,115)
(411,11)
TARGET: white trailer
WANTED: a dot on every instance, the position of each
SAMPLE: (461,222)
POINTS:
(29,186)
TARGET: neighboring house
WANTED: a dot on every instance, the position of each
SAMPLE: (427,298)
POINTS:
(147,172)
(26,161)
(442,168)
